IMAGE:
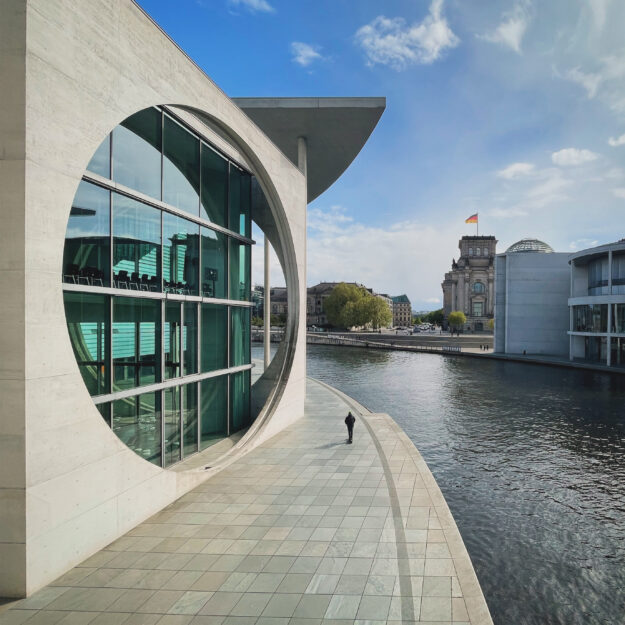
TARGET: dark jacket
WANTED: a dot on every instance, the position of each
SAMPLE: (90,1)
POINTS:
(350,419)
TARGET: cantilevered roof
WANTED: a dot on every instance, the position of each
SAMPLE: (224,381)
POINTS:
(336,129)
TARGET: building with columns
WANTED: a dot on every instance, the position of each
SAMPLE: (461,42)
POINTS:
(470,285)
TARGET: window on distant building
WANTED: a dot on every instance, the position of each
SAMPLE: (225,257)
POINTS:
(478,287)
(478,252)
(470,251)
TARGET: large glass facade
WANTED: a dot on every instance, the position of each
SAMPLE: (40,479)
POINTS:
(618,318)
(618,274)
(141,281)
(598,272)
(590,318)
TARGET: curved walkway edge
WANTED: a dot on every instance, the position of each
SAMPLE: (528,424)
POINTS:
(303,529)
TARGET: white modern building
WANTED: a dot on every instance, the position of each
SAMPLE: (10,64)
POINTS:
(597,305)
(531,293)
(128,184)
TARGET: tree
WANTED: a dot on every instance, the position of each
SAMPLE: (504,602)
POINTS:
(457,319)
(436,317)
(335,304)
(417,321)
(257,321)
(491,324)
(376,311)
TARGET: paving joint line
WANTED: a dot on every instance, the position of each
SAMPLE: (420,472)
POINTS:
(403,561)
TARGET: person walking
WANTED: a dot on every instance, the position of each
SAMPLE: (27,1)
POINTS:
(349,422)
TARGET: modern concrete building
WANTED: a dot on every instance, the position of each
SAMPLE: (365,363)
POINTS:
(470,285)
(531,291)
(402,311)
(128,182)
(597,305)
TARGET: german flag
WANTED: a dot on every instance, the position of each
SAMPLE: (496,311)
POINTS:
(471,220)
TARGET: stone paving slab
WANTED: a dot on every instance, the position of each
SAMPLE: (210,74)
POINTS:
(303,530)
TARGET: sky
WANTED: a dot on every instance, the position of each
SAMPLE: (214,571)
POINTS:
(514,109)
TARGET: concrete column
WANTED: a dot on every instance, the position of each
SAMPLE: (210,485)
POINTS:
(453,296)
(267,309)
(491,298)
(302,155)
(609,337)
(610,272)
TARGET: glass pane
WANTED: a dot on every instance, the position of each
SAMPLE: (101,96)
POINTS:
(214,410)
(181,257)
(87,252)
(189,338)
(171,340)
(214,264)
(137,152)
(214,337)
(181,167)
(240,329)
(88,326)
(105,411)
(189,419)
(137,422)
(136,342)
(171,423)
(239,270)
(214,205)
(239,401)
(240,201)
(100,162)
(136,245)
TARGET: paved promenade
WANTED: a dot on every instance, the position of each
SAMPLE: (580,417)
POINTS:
(304,530)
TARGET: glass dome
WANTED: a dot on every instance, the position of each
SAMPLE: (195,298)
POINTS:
(530,245)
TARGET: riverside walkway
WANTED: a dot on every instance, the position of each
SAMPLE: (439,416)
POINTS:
(303,530)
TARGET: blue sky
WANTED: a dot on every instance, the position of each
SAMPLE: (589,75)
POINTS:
(514,109)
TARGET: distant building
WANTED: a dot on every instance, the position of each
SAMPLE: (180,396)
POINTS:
(531,311)
(470,285)
(278,300)
(597,305)
(402,311)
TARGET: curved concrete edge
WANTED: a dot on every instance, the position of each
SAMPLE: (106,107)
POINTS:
(477,607)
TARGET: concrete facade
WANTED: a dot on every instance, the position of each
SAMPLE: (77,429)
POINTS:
(470,285)
(71,73)
(531,314)
(402,310)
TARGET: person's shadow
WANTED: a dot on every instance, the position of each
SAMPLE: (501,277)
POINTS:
(329,445)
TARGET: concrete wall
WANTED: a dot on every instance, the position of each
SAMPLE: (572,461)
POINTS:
(78,70)
(500,304)
(536,314)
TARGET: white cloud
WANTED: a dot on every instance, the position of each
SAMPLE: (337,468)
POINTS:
(511,30)
(599,9)
(516,170)
(582,244)
(432,300)
(588,81)
(616,141)
(304,54)
(386,259)
(569,157)
(255,6)
(606,81)
(392,42)
(619,192)
(506,213)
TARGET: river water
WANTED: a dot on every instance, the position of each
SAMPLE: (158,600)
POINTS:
(531,460)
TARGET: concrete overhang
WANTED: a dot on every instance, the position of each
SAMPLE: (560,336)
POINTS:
(335,129)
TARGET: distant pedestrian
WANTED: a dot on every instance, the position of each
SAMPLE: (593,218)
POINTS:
(349,422)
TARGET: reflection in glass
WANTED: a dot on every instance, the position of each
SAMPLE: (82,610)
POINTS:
(189,338)
(618,274)
(617,357)
(240,328)
(618,318)
(88,326)
(171,340)
(240,201)
(214,264)
(87,252)
(214,410)
(239,400)
(181,257)
(598,271)
(136,245)
(240,270)
(137,422)
(181,167)
(105,411)
(189,419)
(171,426)
(590,318)
(100,162)
(136,342)
(214,206)
(214,337)
(137,152)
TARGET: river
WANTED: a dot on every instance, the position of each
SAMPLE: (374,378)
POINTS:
(531,460)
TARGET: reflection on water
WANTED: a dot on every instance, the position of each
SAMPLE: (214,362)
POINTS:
(531,460)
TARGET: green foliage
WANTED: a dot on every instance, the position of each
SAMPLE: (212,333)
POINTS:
(457,319)
(417,321)
(436,317)
(349,305)
(491,324)
(278,320)
(257,321)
